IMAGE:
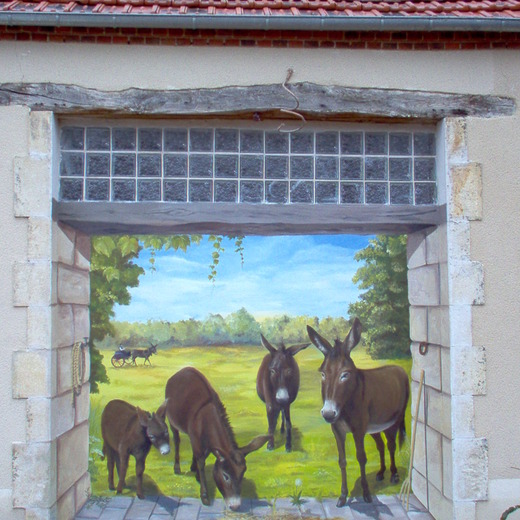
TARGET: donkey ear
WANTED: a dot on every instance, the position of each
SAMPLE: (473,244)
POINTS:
(296,348)
(267,345)
(143,417)
(255,444)
(319,341)
(353,336)
(161,411)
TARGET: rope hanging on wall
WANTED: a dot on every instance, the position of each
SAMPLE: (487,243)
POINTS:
(78,368)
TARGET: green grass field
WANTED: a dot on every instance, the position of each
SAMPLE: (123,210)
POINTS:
(270,474)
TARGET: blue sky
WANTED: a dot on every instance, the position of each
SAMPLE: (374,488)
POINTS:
(295,275)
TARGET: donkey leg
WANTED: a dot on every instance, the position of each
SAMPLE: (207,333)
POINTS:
(390,442)
(177,444)
(282,425)
(195,468)
(286,413)
(204,498)
(381,449)
(272,418)
(361,455)
(110,466)
(340,434)
(139,470)
(124,457)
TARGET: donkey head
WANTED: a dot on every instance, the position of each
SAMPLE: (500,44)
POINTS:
(284,374)
(338,372)
(152,348)
(229,470)
(155,428)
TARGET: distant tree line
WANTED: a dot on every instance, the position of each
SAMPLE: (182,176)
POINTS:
(237,328)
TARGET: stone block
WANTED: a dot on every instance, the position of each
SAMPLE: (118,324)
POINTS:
(418,323)
(39,238)
(420,449)
(468,370)
(465,511)
(82,404)
(446,370)
(41,514)
(470,469)
(430,363)
(31,283)
(444,287)
(62,414)
(82,491)
(419,486)
(63,242)
(439,505)
(423,285)
(447,468)
(72,457)
(32,186)
(462,416)
(32,373)
(62,325)
(73,286)
(465,199)
(39,325)
(438,326)
(438,408)
(434,456)
(461,334)
(38,425)
(65,368)
(436,245)
(34,475)
(66,507)
(466,283)
(81,322)
(40,133)
(416,250)
(82,251)
(459,239)
(456,140)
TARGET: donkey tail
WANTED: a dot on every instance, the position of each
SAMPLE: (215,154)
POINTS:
(402,433)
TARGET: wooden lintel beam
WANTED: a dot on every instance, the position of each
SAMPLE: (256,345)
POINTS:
(99,218)
(315,101)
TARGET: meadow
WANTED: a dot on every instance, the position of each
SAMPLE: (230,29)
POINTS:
(270,474)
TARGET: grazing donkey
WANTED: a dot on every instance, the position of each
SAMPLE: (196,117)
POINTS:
(196,409)
(361,401)
(128,430)
(277,385)
(144,353)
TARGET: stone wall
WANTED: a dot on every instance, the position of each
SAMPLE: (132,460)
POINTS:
(450,466)
(50,474)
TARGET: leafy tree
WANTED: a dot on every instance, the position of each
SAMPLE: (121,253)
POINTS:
(383,309)
(334,328)
(214,331)
(112,272)
(243,327)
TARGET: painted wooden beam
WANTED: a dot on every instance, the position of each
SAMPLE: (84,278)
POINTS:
(316,101)
(98,218)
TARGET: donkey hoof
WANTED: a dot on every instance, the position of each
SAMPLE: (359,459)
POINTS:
(205,500)
(140,496)
(394,479)
(380,477)
(367,496)
(177,470)
(342,500)
(288,449)
(270,445)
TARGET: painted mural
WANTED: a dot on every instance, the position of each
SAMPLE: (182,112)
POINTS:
(216,384)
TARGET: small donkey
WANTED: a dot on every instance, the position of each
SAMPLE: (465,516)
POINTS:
(277,385)
(144,353)
(128,430)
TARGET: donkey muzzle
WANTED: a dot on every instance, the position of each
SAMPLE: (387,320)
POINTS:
(282,396)
(330,411)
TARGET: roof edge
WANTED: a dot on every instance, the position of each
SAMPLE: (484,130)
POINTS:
(261,22)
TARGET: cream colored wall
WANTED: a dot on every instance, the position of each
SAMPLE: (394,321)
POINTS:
(13,138)
(492,142)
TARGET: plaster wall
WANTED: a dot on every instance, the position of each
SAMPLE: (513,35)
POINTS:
(490,142)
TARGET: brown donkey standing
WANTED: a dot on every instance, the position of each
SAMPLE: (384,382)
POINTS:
(361,401)
(195,408)
(128,430)
(277,385)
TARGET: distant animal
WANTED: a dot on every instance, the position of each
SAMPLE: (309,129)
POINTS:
(277,385)
(195,408)
(128,430)
(144,353)
(361,401)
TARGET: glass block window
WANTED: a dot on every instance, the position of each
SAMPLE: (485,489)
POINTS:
(343,165)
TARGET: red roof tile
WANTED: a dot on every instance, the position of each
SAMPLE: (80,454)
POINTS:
(344,9)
